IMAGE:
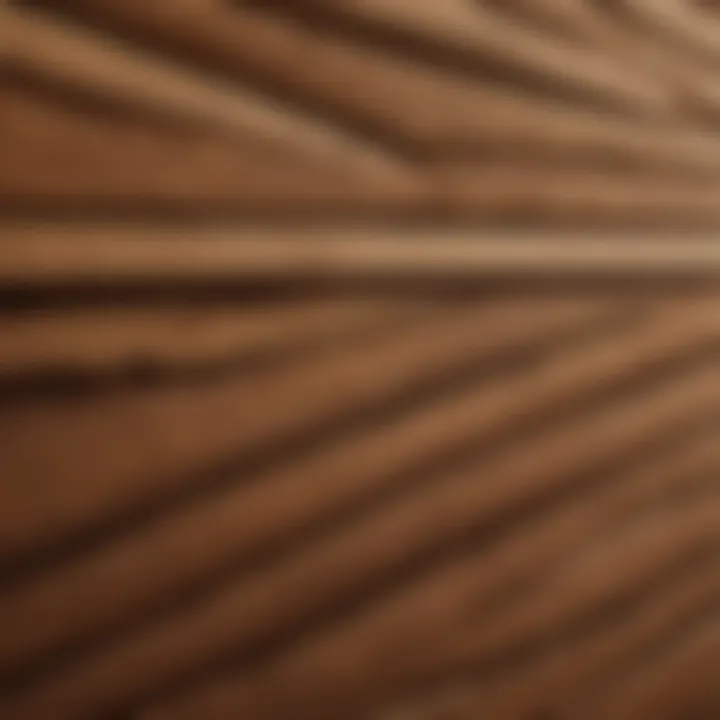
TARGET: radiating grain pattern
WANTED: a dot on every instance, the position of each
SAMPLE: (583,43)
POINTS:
(401,108)
(439,486)
(359,360)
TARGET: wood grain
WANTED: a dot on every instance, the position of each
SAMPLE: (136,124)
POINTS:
(514,433)
(403,109)
(359,360)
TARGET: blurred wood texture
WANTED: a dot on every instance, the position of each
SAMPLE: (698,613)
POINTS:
(359,360)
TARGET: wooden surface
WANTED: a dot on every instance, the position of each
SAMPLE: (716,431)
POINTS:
(519,111)
(359,360)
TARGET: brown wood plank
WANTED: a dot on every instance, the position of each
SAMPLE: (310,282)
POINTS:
(359,360)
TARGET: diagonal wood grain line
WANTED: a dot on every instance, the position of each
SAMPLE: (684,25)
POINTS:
(478,35)
(622,426)
(249,692)
(560,676)
(678,22)
(315,486)
(240,415)
(680,678)
(94,162)
(177,341)
(670,334)
(695,84)
(465,115)
(359,359)
(482,146)
(64,54)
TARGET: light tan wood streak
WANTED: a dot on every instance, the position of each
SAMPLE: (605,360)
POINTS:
(453,26)
(33,254)
(151,441)
(398,635)
(313,487)
(479,33)
(81,59)
(576,21)
(420,109)
(692,79)
(679,22)
(175,337)
(403,626)
(140,568)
